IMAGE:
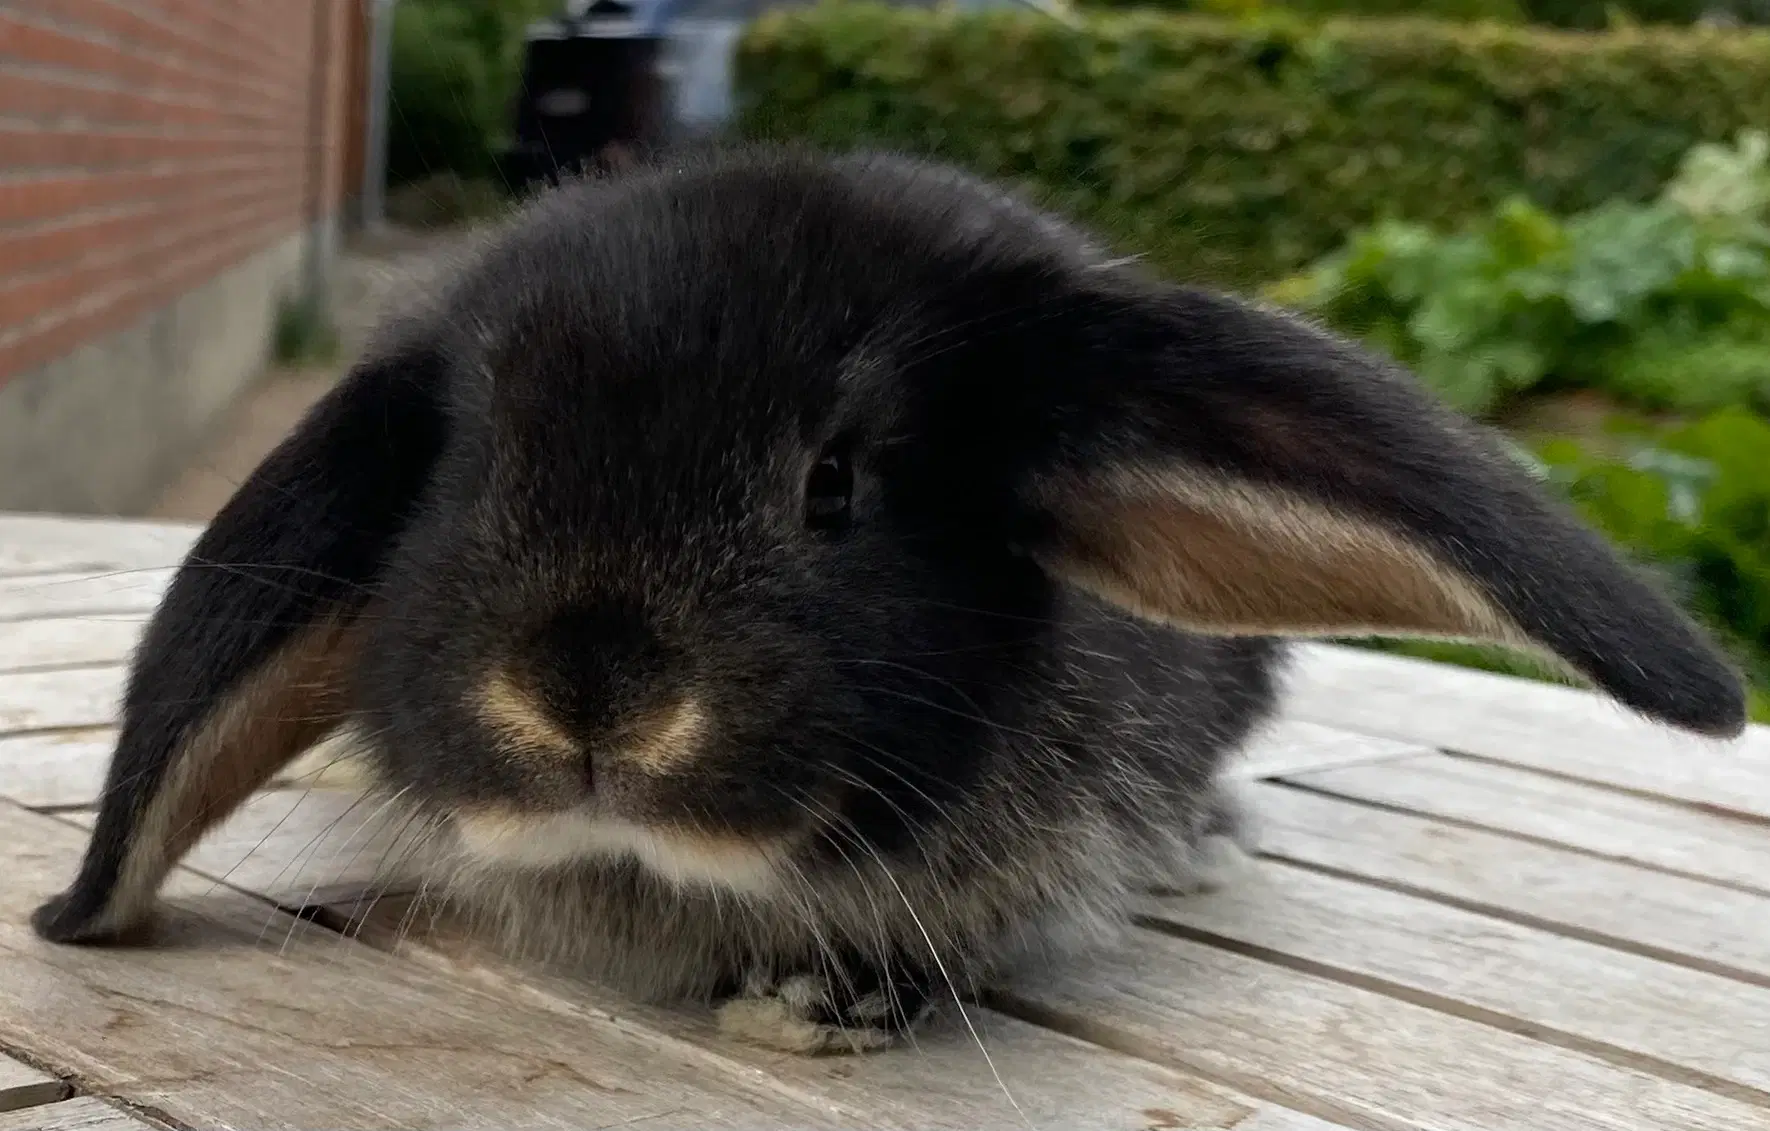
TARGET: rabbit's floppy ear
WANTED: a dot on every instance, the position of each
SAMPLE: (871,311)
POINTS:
(1225,468)
(242,665)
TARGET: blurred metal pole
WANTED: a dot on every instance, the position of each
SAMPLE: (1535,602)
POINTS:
(316,244)
(374,193)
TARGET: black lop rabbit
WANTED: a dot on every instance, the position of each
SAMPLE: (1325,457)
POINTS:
(814,584)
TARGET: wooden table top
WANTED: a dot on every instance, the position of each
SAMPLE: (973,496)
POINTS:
(1480,904)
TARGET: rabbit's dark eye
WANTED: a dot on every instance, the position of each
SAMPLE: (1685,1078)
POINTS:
(829,490)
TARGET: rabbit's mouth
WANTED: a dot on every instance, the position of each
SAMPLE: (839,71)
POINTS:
(508,837)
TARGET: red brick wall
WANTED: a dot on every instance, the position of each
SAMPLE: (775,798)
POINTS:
(148,145)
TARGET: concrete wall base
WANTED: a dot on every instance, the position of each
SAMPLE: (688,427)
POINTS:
(104,429)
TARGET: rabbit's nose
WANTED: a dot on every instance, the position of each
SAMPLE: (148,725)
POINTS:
(613,684)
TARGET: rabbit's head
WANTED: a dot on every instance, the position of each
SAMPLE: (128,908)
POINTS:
(715,502)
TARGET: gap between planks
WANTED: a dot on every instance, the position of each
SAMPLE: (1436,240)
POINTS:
(90,595)
(1652,835)
(1694,923)
(1351,1054)
(944,1056)
(955,1087)
(1699,1029)
(1322,1098)
(1567,731)
(35,543)
(82,1113)
(24,1085)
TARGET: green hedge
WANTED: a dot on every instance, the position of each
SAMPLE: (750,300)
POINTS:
(1588,15)
(1662,305)
(1596,14)
(1502,11)
(1237,152)
(454,68)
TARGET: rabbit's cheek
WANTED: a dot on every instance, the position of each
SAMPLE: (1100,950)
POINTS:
(690,858)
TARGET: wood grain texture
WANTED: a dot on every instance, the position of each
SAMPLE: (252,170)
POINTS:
(62,769)
(328,848)
(123,595)
(943,1081)
(1698,1027)
(1613,825)
(23,1086)
(1701,924)
(1292,746)
(303,1029)
(1563,730)
(1351,1054)
(32,543)
(75,697)
(298,847)
(221,1026)
(83,1113)
(99,641)
(55,769)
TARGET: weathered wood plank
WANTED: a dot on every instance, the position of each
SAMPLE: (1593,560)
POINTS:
(123,595)
(31,543)
(1609,824)
(99,641)
(83,1113)
(1292,746)
(73,697)
(1543,726)
(1702,924)
(24,1086)
(1685,1024)
(1351,1054)
(327,847)
(298,847)
(943,1081)
(62,769)
(55,769)
(221,1030)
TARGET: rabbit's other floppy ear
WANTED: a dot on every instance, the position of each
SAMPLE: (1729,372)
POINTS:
(1233,470)
(242,665)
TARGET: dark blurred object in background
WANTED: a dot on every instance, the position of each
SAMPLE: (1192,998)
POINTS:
(590,97)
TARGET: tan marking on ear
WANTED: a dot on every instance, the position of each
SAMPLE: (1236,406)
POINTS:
(666,741)
(286,706)
(514,712)
(1229,558)
(500,834)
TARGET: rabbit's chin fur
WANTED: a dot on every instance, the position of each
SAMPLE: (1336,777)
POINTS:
(759,941)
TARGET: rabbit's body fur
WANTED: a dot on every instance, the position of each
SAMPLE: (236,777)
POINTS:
(822,583)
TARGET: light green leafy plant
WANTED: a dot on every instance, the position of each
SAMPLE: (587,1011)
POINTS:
(1663,304)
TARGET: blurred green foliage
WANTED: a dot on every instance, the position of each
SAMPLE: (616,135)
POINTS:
(1502,11)
(454,69)
(1664,304)
(1237,151)
(1694,500)
(1585,15)
(1592,15)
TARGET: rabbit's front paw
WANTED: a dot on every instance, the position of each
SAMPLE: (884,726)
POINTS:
(816,1014)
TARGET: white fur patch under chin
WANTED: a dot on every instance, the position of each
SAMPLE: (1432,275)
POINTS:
(540,840)
(782,1020)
